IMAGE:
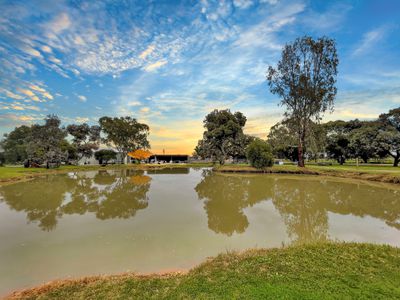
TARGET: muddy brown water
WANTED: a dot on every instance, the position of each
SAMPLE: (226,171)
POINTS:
(107,222)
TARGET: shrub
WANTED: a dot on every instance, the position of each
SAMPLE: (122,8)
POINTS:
(103,156)
(259,154)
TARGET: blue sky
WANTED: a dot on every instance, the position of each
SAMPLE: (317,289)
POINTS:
(169,63)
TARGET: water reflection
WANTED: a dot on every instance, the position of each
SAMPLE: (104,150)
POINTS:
(303,208)
(303,203)
(225,197)
(107,194)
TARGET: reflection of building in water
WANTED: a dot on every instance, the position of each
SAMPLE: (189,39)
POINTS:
(140,179)
(168,171)
(108,195)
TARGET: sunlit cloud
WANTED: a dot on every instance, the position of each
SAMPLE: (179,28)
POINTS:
(60,23)
(81,119)
(46,49)
(16,107)
(37,88)
(144,109)
(26,92)
(133,103)
(155,65)
(147,52)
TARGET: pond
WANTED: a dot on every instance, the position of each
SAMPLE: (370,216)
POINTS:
(104,222)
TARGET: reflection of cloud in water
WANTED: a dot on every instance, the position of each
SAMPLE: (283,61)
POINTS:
(106,194)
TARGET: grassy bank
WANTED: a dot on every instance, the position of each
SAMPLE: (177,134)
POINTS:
(379,173)
(13,173)
(308,272)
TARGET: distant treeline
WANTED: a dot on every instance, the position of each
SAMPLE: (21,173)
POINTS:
(338,140)
(342,140)
(51,144)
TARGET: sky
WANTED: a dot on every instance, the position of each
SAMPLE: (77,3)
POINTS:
(169,63)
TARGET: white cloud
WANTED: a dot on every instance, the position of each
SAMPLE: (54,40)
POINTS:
(81,119)
(263,33)
(60,23)
(330,20)
(82,98)
(370,39)
(46,49)
(134,103)
(271,2)
(31,51)
(243,4)
(11,94)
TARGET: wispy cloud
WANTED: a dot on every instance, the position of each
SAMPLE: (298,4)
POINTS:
(332,19)
(370,39)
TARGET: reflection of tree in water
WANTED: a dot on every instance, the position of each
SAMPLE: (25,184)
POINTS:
(303,203)
(225,197)
(107,195)
(366,200)
(41,201)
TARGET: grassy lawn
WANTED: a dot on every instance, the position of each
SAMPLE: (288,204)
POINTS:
(322,271)
(374,169)
(380,173)
(15,173)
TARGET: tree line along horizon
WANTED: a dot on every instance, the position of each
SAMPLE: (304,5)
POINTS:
(305,81)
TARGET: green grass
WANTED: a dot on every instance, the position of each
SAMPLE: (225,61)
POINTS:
(322,271)
(15,173)
(380,173)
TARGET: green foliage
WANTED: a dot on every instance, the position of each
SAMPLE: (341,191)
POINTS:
(223,137)
(283,139)
(125,133)
(105,155)
(69,150)
(388,138)
(259,154)
(85,138)
(2,159)
(362,141)
(305,79)
(44,145)
(338,139)
(15,143)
